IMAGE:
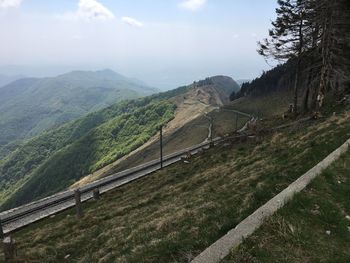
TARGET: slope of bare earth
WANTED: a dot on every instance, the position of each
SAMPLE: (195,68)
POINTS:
(190,126)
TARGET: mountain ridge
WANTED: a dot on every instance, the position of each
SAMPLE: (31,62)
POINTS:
(31,105)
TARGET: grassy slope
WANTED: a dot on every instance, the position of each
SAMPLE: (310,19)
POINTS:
(175,213)
(297,233)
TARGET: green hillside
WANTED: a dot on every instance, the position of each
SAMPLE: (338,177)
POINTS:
(54,160)
(30,106)
(58,158)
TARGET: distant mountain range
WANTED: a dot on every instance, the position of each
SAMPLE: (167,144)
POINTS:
(31,105)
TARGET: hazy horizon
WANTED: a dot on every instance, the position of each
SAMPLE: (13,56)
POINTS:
(163,44)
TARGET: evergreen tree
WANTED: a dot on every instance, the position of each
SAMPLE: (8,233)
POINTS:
(290,37)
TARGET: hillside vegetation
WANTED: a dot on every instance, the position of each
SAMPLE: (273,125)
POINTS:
(196,108)
(173,214)
(58,158)
(30,106)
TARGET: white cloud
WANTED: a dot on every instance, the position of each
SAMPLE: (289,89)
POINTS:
(132,21)
(192,5)
(89,10)
(10,3)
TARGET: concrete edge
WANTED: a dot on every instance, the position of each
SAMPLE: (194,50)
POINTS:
(222,247)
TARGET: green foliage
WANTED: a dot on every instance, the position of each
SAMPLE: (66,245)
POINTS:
(55,159)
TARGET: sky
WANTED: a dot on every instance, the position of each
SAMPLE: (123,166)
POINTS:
(165,43)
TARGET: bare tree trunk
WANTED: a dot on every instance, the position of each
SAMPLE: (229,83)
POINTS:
(297,74)
(306,99)
(296,86)
(325,52)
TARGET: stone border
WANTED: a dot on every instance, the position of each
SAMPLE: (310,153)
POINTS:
(222,247)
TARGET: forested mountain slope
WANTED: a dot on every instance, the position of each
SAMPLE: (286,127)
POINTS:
(30,106)
(58,158)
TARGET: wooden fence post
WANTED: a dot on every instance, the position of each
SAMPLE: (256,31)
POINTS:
(96,194)
(9,246)
(79,209)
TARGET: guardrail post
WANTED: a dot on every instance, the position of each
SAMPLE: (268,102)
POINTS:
(1,230)
(9,246)
(77,196)
(96,194)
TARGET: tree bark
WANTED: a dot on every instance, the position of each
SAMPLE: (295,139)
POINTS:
(297,73)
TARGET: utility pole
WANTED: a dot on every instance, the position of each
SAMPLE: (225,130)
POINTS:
(161,146)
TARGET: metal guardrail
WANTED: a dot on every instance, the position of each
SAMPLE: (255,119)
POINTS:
(21,212)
